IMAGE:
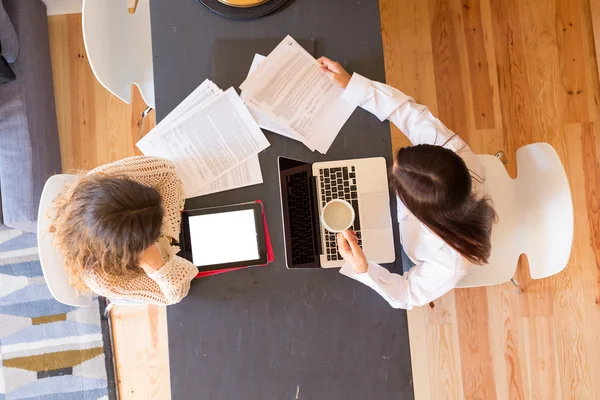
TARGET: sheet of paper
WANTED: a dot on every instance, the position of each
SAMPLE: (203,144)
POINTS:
(247,174)
(206,92)
(223,238)
(208,142)
(261,119)
(290,89)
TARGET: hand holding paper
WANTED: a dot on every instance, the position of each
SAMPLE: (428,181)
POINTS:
(289,88)
(335,72)
(214,140)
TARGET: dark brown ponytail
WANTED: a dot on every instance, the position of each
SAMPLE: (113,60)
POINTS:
(435,185)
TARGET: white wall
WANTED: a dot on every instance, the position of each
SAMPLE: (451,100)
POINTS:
(57,7)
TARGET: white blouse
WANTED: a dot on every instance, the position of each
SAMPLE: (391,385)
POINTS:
(438,267)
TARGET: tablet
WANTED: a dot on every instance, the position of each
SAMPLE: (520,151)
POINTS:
(224,237)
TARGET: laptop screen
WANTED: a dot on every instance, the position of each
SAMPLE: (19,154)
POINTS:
(300,215)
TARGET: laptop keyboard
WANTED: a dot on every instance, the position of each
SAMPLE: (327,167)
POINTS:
(299,212)
(339,183)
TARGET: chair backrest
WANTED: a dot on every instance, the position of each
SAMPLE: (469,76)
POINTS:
(535,216)
(119,46)
(55,274)
(546,211)
(505,246)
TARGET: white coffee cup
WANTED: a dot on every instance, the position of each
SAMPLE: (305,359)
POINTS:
(337,216)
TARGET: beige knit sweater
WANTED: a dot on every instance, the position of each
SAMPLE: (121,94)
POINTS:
(171,283)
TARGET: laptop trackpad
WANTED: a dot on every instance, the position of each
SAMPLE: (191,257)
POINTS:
(375,210)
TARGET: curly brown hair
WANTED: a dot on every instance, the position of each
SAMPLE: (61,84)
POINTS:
(105,222)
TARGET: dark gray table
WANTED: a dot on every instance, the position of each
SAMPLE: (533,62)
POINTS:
(273,333)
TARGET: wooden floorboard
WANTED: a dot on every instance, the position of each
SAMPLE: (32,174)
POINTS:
(503,73)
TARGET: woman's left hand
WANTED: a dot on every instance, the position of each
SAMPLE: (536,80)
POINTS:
(351,251)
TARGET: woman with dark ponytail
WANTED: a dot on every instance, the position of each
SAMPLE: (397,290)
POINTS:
(444,215)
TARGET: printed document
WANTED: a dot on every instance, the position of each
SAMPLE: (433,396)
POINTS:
(247,174)
(261,119)
(207,141)
(289,88)
(202,95)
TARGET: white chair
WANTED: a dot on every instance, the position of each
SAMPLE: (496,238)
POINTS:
(52,263)
(535,217)
(119,48)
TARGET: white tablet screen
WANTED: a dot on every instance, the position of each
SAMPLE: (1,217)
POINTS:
(223,238)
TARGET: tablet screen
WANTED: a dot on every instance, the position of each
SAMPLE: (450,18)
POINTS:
(223,237)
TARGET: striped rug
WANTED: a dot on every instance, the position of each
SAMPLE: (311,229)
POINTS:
(48,350)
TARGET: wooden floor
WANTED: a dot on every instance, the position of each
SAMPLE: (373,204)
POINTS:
(95,128)
(502,73)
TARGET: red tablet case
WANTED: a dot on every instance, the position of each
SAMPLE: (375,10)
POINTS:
(270,254)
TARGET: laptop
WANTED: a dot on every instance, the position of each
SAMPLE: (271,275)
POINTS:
(306,188)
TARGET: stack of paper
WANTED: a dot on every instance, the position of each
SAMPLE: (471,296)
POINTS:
(212,139)
(288,94)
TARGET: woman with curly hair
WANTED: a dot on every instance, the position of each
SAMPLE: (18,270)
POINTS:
(116,228)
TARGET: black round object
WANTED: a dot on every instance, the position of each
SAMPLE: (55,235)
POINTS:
(242,13)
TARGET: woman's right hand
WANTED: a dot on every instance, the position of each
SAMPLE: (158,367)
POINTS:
(351,251)
(151,260)
(335,72)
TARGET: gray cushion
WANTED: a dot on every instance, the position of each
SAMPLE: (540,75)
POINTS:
(29,147)
(6,72)
(8,37)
